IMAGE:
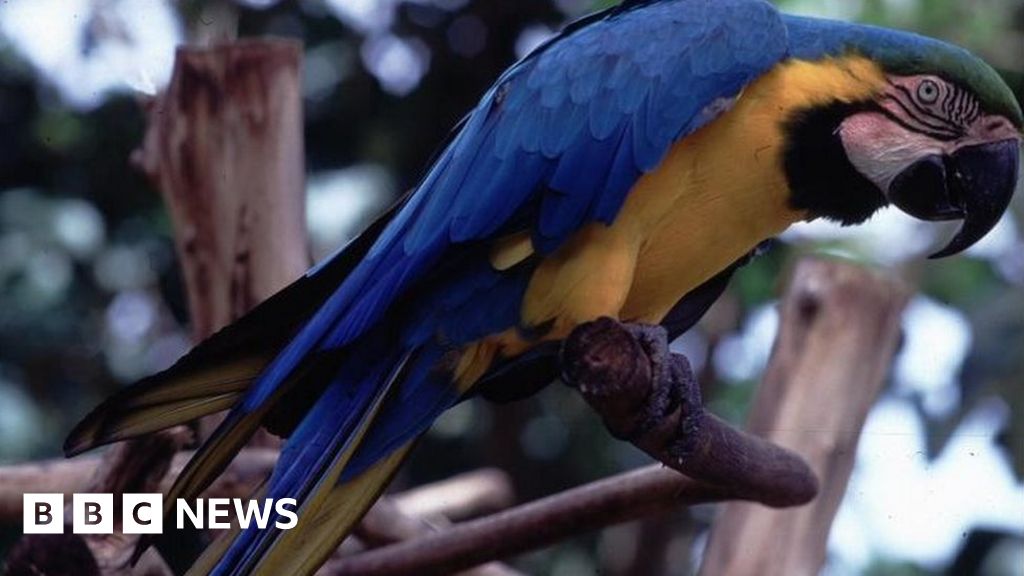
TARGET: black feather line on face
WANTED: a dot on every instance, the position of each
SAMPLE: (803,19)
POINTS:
(822,180)
(921,128)
(930,122)
(958,105)
(947,100)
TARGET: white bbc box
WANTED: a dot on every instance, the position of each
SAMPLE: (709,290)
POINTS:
(92,513)
(142,513)
(43,513)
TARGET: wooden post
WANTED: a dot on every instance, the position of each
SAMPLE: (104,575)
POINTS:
(225,149)
(839,329)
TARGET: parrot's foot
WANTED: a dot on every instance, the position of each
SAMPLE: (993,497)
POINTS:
(650,397)
(628,373)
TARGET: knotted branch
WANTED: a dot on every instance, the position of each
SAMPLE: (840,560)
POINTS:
(650,397)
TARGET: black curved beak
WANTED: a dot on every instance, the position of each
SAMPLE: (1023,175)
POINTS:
(975,185)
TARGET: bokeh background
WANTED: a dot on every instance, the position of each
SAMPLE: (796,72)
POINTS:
(91,298)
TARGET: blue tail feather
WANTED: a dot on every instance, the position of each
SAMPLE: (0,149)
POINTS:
(328,432)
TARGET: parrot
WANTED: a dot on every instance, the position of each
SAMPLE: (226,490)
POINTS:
(625,168)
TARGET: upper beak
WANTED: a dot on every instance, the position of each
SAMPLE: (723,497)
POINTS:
(975,184)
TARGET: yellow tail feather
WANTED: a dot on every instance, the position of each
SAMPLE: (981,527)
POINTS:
(360,492)
(159,403)
(302,550)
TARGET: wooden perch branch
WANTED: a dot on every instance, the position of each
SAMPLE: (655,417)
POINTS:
(651,398)
(387,523)
(534,525)
(459,497)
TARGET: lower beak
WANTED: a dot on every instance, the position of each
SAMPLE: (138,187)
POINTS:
(974,184)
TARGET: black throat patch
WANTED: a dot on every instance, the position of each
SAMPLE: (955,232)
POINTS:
(821,178)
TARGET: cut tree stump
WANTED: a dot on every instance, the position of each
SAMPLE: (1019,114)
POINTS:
(225,149)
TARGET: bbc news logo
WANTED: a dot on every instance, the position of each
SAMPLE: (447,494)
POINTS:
(144,513)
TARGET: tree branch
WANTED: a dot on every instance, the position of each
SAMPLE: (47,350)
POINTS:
(386,522)
(459,497)
(650,397)
(534,525)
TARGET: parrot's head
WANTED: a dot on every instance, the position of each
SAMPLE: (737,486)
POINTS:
(937,152)
(939,137)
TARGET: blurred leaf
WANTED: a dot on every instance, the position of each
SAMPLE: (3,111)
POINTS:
(889,567)
(960,282)
(758,281)
(59,130)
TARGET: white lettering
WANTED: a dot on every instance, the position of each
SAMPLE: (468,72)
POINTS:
(218,508)
(183,510)
(293,518)
(253,509)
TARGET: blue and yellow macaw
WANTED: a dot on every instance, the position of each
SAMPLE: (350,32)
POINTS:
(625,168)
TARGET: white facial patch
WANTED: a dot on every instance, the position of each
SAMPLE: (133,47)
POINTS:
(881,149)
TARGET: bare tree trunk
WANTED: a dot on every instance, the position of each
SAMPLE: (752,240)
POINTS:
(839,330)
(225,149)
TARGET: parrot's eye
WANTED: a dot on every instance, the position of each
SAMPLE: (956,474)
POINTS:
(928,92)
